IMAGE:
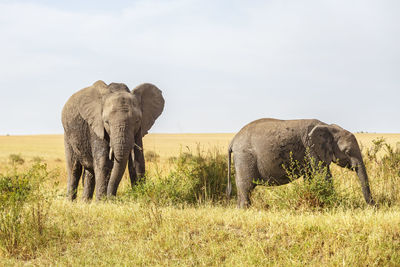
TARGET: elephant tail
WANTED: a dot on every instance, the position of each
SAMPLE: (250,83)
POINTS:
(229,184)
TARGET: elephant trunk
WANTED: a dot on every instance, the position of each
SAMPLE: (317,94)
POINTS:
(116,176)
(121,142)
(121,147)
(121,150)
(363,177)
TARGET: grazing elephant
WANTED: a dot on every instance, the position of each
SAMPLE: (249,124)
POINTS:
(103,130)
(263,146)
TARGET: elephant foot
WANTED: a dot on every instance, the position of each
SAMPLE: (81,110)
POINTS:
(243,204)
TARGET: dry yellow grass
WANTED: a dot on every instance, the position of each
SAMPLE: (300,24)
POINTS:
(365,139)
(45,146)
(127,234)
(51,147)
(133,233)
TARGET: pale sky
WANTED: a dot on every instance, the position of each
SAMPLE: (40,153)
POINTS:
(220,64)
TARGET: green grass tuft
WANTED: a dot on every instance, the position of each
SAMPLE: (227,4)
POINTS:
(16,159)
(25,202)
(151,156)
(193,179)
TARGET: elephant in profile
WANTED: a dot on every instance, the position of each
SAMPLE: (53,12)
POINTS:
(263,147)
(103,130)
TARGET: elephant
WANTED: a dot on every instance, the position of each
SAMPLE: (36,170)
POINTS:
(103,130)
(263,147)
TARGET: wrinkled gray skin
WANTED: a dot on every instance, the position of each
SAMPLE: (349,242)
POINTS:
(262,146)
(103,130)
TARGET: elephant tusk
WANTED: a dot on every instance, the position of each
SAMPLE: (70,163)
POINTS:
(136,145)
(110,156)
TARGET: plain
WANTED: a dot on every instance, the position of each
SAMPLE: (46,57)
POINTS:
(154,226)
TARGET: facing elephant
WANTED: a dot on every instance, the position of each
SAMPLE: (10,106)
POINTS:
(263,146)
(103,130)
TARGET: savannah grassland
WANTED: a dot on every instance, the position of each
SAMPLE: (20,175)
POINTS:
(180,217)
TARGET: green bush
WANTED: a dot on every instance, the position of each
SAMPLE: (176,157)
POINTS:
(201,177)
(37,159)
(194,179)
(25,202)
(313,192)
(151,156)
(172,160)
(14,191)
(384,172)
(16,159)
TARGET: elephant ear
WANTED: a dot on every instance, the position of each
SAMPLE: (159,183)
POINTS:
(321,145)
(151,104)
(90,106)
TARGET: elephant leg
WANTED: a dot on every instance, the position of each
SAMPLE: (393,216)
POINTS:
(136,165)
(101,177)
(136,173)
(88,187)
(139,160)
(140,170)
(132,172)
(328,176)
(246,173)
(74,170)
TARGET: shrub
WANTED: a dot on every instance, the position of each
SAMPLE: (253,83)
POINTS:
(37,159)
(384,172)
(315,192)
(193,179)
(151,156)
(377,145)
(25,202)
(16,159)
(14,191)
(200,177)
(391,160)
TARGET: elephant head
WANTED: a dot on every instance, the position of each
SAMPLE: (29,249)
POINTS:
(121,118)
(331,143)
